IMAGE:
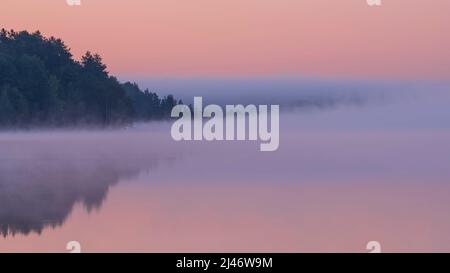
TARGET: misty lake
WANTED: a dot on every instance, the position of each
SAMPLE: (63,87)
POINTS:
(347,172)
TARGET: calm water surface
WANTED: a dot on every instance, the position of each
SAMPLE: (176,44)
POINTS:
(343,176)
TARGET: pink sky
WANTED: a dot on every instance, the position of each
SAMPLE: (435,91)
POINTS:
(401,39)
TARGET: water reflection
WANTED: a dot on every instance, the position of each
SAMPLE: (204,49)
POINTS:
(43,175)
(342,177)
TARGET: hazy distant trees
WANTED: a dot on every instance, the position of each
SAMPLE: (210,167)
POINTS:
(148,105)
(41,84)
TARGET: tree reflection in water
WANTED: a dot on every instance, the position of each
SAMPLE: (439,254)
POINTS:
(43,175)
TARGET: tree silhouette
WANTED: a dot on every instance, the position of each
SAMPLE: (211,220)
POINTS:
(41,84)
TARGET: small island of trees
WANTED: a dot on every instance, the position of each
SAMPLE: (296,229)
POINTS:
(42,85)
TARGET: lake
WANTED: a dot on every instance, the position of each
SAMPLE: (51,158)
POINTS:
(371,167)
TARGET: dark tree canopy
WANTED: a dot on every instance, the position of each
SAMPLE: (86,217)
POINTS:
(42,85)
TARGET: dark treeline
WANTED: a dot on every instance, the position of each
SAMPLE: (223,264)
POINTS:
(42,85)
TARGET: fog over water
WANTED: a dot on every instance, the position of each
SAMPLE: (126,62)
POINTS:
(284,90)
(357,162)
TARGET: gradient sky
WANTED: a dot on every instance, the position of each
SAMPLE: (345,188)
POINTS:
(401,39)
